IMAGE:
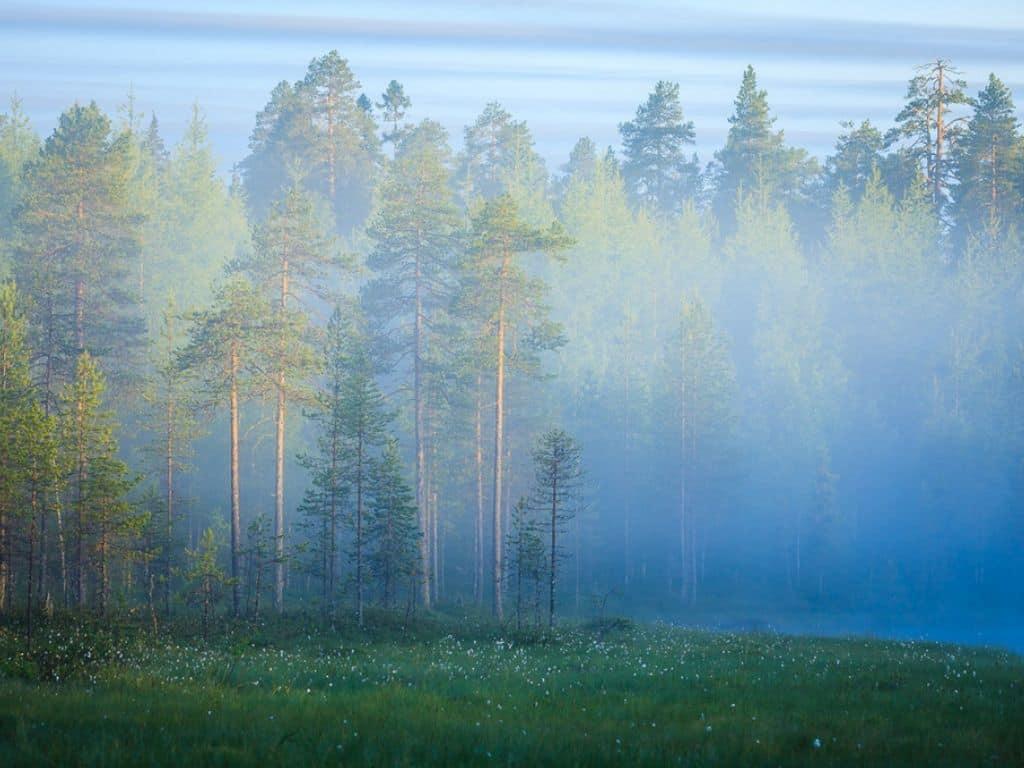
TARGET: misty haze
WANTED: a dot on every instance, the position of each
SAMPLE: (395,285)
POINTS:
(433,384)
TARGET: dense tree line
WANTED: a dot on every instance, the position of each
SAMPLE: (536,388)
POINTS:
(794,382)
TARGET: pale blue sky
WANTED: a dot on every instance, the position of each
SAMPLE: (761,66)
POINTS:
(569,68)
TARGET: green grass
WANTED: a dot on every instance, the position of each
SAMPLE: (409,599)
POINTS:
(461,692)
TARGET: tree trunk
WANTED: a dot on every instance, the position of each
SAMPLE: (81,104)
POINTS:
(170,506)
(279,453)
(499,445)
(939,130)
(554,558)
(236,513)
(478,522)
(359,529)
(682,476)
(421,458)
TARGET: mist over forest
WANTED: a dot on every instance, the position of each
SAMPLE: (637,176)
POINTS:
(379,365)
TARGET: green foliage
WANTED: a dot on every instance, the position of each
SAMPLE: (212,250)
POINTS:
(755,155)
(654,166)
(315,135)
(77,241)
(392,533)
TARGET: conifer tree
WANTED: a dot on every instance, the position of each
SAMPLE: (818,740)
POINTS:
(526,555)
(393,105)
(703,379)
(392,531)
(755,154)
(291,260)
(558,474)
(926,126)
(512,308)
(205,579)
(171,405)
(364,420)
(327,495)
(988,160)
(98,482)
(222,351)
(656,170)
(78,242)
(857,156)
(416,234)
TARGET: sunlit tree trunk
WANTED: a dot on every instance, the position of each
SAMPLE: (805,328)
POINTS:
(236,514)
(499,446)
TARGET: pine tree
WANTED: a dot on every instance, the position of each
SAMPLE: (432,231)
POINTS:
(703,381)
(98,482)
(393,105)
(290,263)
(656,170)
(196,226)
(926,128)
(392,531)
(15,402)
(558,474)
(78,241)
(499,158)
(171,406)
(988,159)
(417,234)
(510,304)
(315,134)
(857,156)
(222,351)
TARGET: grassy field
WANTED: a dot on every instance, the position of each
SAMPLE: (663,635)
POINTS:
(460,692)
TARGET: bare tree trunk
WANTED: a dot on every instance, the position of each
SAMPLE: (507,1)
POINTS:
(31,574)
(279,455)
(359,529)
(939,130)
(554,558)
(170,507)
(478,523)
(499,448)
(236,513)
(79,510)
(682,477)
(421,458)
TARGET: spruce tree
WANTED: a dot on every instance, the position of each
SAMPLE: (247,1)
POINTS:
(392,531)
(364,421)
(755,154)
(325,499)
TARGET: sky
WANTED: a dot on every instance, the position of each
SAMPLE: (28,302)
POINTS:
(569,68)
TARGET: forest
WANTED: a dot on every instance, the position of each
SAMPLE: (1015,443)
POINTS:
(381,445)
(379,366)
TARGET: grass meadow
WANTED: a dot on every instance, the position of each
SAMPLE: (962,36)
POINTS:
(466,692)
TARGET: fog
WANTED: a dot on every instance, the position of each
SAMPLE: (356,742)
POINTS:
(794,375)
